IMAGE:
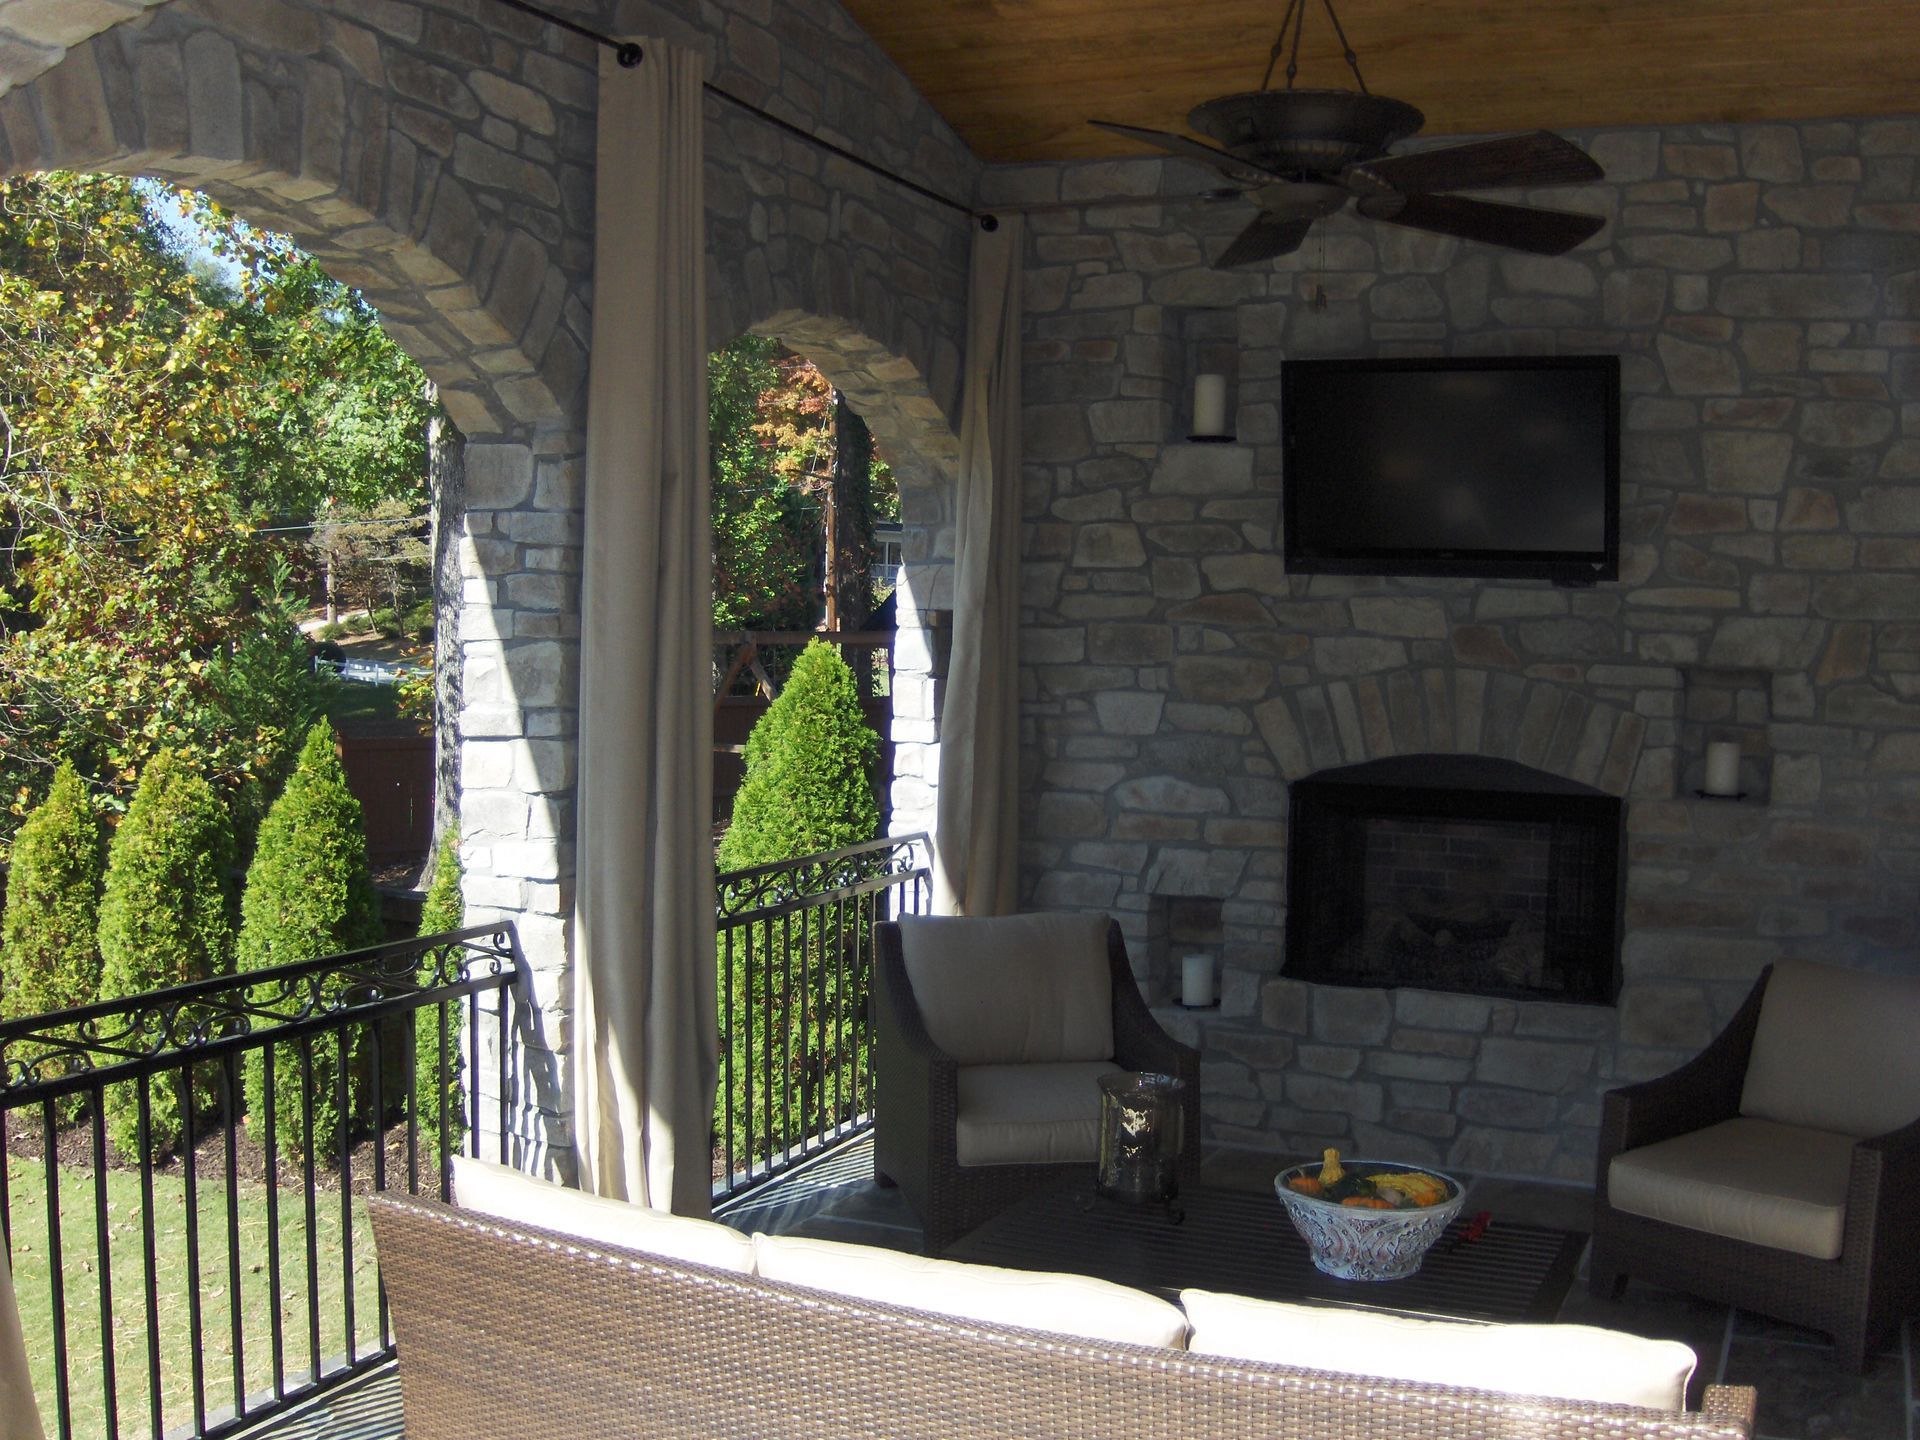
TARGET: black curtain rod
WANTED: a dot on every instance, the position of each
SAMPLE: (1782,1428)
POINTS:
(630,55)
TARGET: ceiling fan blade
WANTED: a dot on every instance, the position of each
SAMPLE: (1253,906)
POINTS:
(1517,227)
(1541,158)
(1233,167)
(1266,238)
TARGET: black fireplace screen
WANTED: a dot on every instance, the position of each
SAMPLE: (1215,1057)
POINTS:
(1455,873)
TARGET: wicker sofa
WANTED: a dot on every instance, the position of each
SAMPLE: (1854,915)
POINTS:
(509,1331)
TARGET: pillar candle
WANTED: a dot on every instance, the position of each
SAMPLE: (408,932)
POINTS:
(1723,767)
(1196,980)
(1209,404)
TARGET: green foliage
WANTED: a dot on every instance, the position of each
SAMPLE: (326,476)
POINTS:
(765,540)
(159,412)
(810,761)
(444,910)
(307,894)
(166,917)
(794,992)
(49,945)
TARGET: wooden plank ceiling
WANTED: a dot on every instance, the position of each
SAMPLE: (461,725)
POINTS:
(1019,78)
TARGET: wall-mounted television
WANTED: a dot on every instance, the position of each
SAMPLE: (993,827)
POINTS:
(1502,469)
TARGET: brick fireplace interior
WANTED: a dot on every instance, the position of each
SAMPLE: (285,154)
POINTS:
(1460,873)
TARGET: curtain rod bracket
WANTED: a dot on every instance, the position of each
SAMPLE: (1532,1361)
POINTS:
(629,55)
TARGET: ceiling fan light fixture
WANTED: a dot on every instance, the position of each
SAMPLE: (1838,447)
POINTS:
(1301,154)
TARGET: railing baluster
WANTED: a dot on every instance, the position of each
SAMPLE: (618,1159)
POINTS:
(270,1154)
(310,1199)
(103,1244)
(56,1271)
(379,1161)
(343,1143)
(231,1103)
(156,1399)
(197,1335)
(506,1069)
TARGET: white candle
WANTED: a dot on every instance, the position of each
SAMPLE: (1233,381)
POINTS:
(1209,404)
(1196,980)
(1723,767)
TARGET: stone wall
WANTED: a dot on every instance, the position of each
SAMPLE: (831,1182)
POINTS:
(1762,286)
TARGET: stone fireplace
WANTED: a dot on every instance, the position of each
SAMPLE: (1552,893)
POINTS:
(1462,873)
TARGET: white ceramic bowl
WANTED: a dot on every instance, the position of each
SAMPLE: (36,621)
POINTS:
(1353,1242)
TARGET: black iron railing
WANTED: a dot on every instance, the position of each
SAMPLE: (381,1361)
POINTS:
(184,1173)
(795,963)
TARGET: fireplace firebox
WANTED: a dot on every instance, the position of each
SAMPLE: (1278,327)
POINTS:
(1455,872)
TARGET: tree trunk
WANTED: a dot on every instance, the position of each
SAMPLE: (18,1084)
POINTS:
(447,487)
(849,538)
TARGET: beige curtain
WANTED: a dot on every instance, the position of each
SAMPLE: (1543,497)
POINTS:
(19,1417)
(645,1036)
(976,827)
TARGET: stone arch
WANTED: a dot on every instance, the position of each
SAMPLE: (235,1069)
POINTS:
(297,120)
(890,393)
(437,192)
(1437,710)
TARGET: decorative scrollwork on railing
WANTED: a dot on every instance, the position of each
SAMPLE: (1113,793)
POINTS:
(162,1026)
(795,883)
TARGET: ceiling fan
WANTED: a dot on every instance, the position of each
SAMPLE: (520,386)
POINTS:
(1301,154)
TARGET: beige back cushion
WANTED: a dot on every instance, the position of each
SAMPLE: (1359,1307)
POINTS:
(1564,1362)
(1012,989)
(1836,1050)
(1032,1300)
(489,1189)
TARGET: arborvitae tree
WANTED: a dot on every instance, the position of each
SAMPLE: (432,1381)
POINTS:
(442,911)
(808,789)
(809,781)
(166,917)
(308,894)
(49,940)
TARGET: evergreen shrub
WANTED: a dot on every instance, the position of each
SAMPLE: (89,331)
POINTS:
(443,911)
(49,940)
(166,917)
(308,894)
(808,789)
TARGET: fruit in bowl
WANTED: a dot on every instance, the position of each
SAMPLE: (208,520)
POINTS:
(1368,1220)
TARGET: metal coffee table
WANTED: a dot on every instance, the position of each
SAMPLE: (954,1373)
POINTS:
(1241,1242)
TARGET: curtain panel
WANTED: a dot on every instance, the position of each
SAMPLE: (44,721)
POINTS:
(976,826)
(645,1051)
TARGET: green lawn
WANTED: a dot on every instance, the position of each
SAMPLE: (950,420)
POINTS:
(81,1265)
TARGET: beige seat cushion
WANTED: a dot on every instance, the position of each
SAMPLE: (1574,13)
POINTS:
(488,1189)
(1031,1300)
(1565,1362)
(1835,1050)
(1030,1114)
(1782,1186)
(1013,989)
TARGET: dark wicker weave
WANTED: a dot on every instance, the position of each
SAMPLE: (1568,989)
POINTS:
(1858,1299)
(915,1100)
(508,1333)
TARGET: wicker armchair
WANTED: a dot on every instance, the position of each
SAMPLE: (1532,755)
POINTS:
(917,1099)
(1834,1039)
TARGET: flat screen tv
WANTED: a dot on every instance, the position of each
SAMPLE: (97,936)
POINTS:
(1503,469)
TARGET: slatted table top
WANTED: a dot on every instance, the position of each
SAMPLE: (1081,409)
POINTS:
(1241,1242)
